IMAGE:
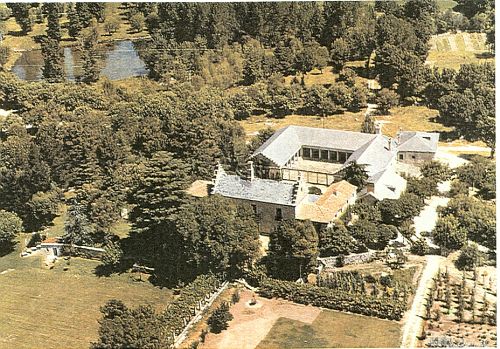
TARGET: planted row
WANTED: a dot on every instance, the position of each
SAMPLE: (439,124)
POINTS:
(385,308)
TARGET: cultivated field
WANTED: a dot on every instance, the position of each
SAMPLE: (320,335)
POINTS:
(41,308)
(274,323)
(451,50)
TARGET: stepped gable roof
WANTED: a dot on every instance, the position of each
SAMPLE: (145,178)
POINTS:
(285,142)
(325,208)
(262,190)
(418,141)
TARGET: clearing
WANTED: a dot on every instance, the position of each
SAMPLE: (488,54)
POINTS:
(450,50)
(41,308)
(275,323)
(412,118)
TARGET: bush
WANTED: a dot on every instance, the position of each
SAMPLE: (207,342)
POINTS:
(235,297)
(219,319)
(256,275)
(469,258)
(387,280)
(420,247)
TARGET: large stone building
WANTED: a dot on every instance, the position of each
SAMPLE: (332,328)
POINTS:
(298,172)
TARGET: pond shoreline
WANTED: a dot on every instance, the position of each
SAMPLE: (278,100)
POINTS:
(119,59)
(16,53)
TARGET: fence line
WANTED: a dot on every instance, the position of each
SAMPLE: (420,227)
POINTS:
(182,336)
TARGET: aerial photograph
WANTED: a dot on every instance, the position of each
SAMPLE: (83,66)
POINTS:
(248,174)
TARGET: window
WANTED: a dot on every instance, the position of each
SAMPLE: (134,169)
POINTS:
(315,153)
(413,156)
(333,156)
(427,137)
(254,208)
(342,157)
(324,155)
(279,215)
(401,156)
(306,153)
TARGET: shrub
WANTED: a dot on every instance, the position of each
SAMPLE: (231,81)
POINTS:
(235,297)
(469,258)
(420,247)
(219,319)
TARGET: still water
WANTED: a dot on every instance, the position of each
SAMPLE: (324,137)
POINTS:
(118,60)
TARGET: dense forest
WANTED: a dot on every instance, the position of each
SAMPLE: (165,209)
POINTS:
(213,64)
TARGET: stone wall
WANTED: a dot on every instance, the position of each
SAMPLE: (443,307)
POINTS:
(414,157)
(355,258)
(266,214)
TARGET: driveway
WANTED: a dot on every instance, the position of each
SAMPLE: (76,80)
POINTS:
(413,320)
(426,220)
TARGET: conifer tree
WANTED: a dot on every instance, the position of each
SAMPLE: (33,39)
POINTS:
(368,124)
(53,58)
(89,57)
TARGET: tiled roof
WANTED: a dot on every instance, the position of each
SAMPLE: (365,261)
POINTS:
(418,141)
(262,190)
(324,209)
(287,141)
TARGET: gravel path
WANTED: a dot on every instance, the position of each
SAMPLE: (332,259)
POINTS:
(414,318)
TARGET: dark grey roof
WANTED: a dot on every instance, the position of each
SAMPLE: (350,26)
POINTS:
(262,190)
(287,141)
(418,141)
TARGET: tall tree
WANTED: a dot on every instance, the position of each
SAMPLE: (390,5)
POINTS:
(22,13)
(53,59)
(368,125)
(90,56)
(53,25)
(218,235)
(157,198)
(10,226)
(293,249)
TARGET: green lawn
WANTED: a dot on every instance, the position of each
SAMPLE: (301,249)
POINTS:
(41,308)
(333,329)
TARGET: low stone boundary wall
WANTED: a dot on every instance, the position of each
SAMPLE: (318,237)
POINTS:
(60,249)
(199,315)
(365,257)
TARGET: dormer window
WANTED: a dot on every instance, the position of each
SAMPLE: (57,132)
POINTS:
(427,137)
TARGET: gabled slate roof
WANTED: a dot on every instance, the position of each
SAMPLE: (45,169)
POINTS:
(418,141)
(375,155)
(285,142)
(262,190)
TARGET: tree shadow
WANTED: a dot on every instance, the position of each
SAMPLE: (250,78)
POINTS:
(484,55)
(7,249)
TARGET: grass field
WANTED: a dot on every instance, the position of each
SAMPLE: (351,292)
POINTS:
(41,308)
(407,118)
(333,329)
(451,50)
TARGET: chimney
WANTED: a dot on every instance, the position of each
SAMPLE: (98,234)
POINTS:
(252,172)
(378,128)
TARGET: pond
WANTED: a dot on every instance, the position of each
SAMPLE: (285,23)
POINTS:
(117,60)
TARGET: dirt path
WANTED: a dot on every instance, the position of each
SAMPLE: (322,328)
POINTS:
(414,318)
(426,220)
